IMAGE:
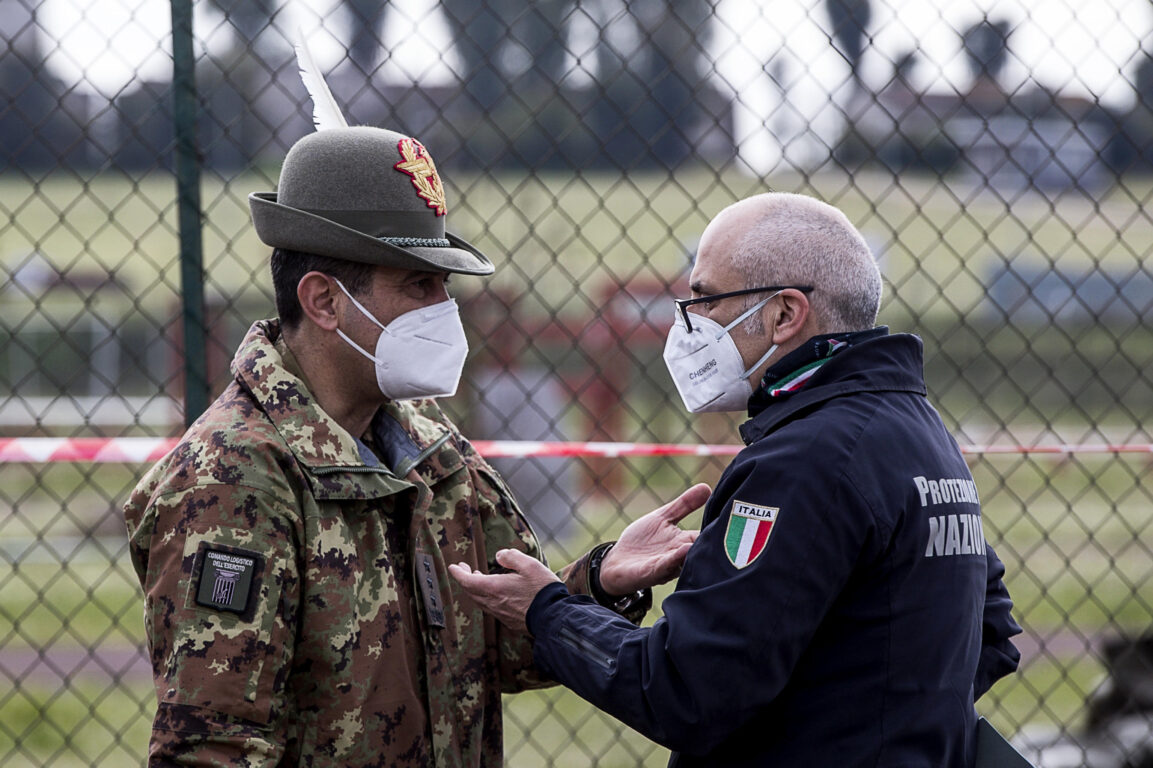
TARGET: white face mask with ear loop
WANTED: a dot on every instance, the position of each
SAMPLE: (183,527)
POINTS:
(706,365)
(419,354)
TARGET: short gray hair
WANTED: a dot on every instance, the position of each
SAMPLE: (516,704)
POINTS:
(799,240)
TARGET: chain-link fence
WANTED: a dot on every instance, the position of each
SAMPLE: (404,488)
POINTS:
(996,155)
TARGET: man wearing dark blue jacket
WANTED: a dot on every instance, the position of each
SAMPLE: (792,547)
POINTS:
(841,606)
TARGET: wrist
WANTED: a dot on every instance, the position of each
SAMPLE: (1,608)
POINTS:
(596,572)
(552,593)
(631,605)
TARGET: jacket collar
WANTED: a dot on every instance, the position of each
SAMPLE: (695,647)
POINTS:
(803,361)
(340,464)
(877,362)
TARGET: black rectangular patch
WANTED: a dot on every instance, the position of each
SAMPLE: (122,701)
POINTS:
(430,588)
(225,578)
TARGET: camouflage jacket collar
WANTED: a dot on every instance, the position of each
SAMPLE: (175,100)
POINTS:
(266,368)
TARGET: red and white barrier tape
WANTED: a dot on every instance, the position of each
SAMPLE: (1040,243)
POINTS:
(145,450)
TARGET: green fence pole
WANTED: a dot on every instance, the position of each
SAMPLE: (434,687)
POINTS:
(185,113)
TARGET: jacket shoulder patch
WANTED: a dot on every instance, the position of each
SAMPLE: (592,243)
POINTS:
(748,531)
(225,576)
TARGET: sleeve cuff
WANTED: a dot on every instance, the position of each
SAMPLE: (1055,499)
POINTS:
(583,578)
(553,593)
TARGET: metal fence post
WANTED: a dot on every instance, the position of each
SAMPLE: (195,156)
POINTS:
(185,112)
(998,164)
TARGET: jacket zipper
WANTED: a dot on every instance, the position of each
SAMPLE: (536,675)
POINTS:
(405,467)
(351,470)
(585,648)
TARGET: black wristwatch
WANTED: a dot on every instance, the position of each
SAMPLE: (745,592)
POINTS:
(632,606)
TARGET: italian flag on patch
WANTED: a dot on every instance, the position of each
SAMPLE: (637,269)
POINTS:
(748,531)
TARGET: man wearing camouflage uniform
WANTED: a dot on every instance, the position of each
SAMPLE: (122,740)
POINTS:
(293,548)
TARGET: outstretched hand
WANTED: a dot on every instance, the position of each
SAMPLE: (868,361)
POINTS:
(507,596)
(652,549)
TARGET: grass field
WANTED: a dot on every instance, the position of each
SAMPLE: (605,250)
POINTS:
(558,235)
(1072,530)
(1072,533)
(561,241)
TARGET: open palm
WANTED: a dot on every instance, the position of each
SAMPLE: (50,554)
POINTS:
(652,549)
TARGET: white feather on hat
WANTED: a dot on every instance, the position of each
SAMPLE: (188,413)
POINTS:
(325,111)
(359,193)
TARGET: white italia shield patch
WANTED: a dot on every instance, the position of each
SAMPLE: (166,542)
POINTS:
(748,531)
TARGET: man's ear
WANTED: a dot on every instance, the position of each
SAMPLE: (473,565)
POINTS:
(318,296)
(793,317)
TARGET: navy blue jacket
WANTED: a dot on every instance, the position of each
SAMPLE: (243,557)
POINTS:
(861,634)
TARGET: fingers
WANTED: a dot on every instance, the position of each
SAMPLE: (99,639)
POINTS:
(676,559)
(515,560)
(466,576)
(668,566)
(689,501)
(482,586)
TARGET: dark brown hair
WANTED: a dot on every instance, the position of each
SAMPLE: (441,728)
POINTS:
(289,266)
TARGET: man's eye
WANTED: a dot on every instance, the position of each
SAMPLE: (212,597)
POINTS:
(431,283)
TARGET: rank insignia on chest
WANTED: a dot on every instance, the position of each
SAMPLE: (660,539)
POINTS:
(429,584)
(224,578)
(748,531)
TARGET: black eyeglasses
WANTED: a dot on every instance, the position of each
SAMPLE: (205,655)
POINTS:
(684,304)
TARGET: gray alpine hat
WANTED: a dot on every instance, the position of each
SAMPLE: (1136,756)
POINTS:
(363,194)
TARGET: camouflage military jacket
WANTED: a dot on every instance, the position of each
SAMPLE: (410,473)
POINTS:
(297,602)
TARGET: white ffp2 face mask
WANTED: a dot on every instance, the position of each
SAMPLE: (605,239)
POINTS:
(419,354)
(706,366)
